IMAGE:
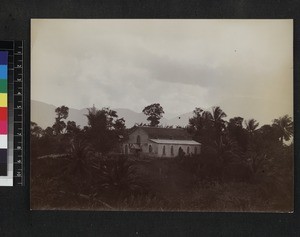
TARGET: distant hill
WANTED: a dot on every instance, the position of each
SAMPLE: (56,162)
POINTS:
(44,115)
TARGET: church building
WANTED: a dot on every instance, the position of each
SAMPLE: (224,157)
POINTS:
(160,142)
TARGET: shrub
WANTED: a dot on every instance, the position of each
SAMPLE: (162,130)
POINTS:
(119,179)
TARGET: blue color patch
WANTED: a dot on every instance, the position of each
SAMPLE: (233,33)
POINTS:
(3,57)
(3,72)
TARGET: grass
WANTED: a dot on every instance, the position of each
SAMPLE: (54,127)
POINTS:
(148,184)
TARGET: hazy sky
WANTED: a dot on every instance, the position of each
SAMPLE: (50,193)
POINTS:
(245,66)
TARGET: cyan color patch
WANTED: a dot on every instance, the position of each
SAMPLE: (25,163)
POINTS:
(3,72)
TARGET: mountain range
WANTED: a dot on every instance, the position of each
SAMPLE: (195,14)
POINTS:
(44,115)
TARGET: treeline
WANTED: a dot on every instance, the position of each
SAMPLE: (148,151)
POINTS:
(103,132)
(241,142)
(210,127)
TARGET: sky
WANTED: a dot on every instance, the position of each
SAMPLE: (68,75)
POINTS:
(243,66)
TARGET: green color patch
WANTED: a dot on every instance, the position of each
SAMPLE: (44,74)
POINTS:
(3,86)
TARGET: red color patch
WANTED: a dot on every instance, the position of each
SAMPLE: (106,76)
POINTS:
(3,114)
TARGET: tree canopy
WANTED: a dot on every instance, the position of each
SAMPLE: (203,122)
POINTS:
(61,113)
(154,113)
(285,127)
(104,128)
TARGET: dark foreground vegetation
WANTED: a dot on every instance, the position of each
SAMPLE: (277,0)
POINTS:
(241,167)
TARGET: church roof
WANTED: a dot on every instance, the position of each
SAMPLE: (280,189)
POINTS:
(175,142)
(166,133)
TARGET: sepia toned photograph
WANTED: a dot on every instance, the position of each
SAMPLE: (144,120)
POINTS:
(162,115)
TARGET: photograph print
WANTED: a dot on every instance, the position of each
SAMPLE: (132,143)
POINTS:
(162,115)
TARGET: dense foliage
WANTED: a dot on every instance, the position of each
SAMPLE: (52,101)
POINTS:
(242,167)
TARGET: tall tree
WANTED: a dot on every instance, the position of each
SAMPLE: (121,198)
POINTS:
(237,132)
(217,117)
(96,118)
(61,113)
(103,128)
(199,125)
(251,126)
(285,127)
(207,126)
(154,113)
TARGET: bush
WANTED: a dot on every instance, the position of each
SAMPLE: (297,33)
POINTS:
(119,178)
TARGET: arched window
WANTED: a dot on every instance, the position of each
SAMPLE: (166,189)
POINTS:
(126,149)
(188,150)
(150,149)
(164,150)
(138,139)
(172,151)
(180,152)
(195,150)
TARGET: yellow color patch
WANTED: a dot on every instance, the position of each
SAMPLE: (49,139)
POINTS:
(3,100)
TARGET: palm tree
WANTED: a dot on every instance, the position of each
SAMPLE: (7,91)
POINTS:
(119,177)
(96,118)
(80,152)
(216,117)
(285,127)
(218,114)
(251,126)
(208,124)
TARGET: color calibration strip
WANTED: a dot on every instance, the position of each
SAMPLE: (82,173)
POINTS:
(3,112)
(11,99)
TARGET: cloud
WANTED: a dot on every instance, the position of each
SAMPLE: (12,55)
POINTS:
(245,66)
